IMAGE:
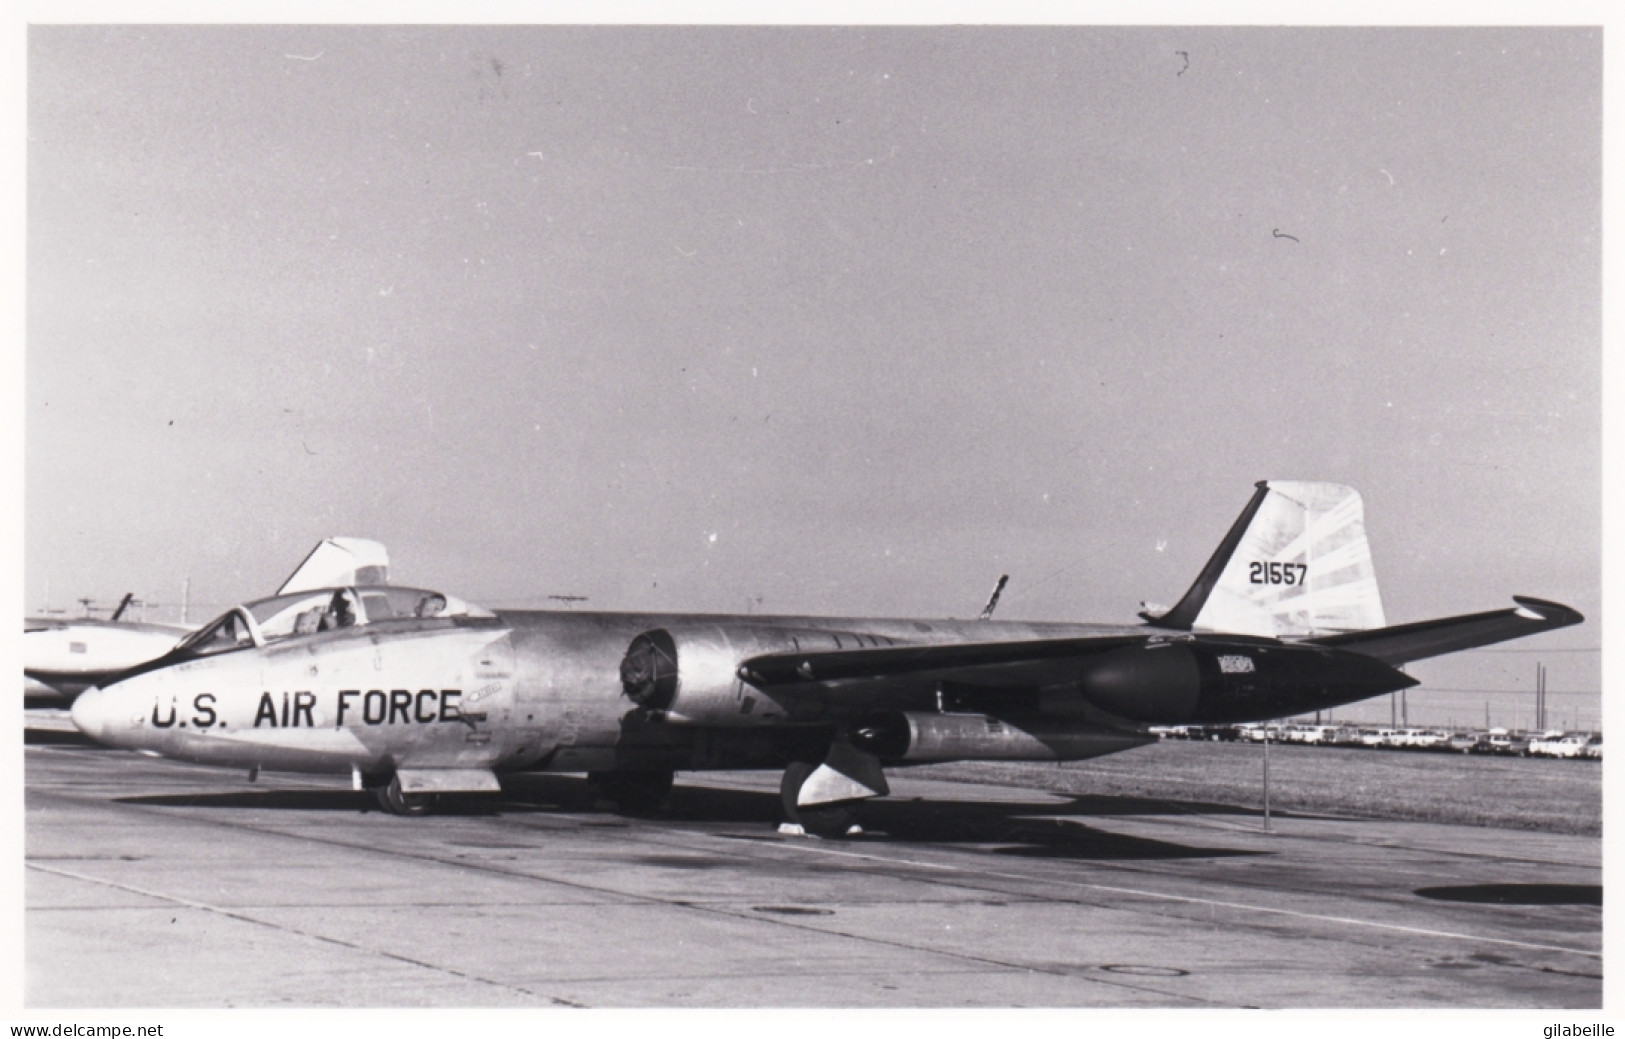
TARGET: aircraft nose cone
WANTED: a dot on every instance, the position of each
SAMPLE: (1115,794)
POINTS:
(89,712)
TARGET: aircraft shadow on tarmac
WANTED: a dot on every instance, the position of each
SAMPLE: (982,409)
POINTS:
(57,738)
(295,800)
(1518,894)
(1043,828)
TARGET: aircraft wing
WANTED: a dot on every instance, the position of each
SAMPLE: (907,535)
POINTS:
(1026,664)
(1406,642)
(1150,677)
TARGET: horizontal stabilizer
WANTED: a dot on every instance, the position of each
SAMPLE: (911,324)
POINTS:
(1406,642)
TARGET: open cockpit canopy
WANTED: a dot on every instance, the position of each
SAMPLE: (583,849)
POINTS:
(299,614)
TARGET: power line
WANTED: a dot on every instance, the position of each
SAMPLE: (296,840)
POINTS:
(1509,692)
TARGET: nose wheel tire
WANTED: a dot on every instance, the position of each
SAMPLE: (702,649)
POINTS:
(834,820)
(398,802)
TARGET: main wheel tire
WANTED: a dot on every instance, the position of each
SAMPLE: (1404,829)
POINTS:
(398,802)
(635,792)
(790,788)
(833,820)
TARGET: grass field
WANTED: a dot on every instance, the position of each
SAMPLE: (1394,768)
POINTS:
(1555,795)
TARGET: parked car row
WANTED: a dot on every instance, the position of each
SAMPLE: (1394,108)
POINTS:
(1567,745)
(1227,733)
(1554,743)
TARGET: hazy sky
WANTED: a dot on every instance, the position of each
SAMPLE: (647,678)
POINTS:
(813,320)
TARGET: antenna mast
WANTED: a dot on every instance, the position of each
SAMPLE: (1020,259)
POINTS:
(993,600)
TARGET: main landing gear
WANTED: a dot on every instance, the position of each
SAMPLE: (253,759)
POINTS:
(822,798)
(833,819)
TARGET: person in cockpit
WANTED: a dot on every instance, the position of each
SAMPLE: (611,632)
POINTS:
(232,633)
(309,621)
(340,613)
(431,605)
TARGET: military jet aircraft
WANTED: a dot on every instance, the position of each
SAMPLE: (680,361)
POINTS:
(416,693)
(62,657)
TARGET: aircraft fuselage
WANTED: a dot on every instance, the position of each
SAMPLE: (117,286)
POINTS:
(549,691)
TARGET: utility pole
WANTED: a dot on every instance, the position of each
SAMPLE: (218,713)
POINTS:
(1266,777)
(1540,696)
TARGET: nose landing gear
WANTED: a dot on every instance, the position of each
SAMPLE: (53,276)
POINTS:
(397,801)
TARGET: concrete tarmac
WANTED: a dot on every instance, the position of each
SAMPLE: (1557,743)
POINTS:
(158,884)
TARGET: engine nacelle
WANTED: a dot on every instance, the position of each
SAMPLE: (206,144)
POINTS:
(691,674)
(1172,683)
(917,736)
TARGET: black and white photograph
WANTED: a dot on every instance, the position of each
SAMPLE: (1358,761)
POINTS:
(920,515)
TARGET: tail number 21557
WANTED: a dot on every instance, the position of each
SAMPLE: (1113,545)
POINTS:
(1278,573)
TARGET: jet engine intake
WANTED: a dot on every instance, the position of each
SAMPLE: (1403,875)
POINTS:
(691,674)
(649,670)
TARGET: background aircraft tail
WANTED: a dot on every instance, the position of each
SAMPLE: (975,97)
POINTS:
(1295,564)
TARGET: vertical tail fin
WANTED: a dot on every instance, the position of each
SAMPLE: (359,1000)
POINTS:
(1295,563)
